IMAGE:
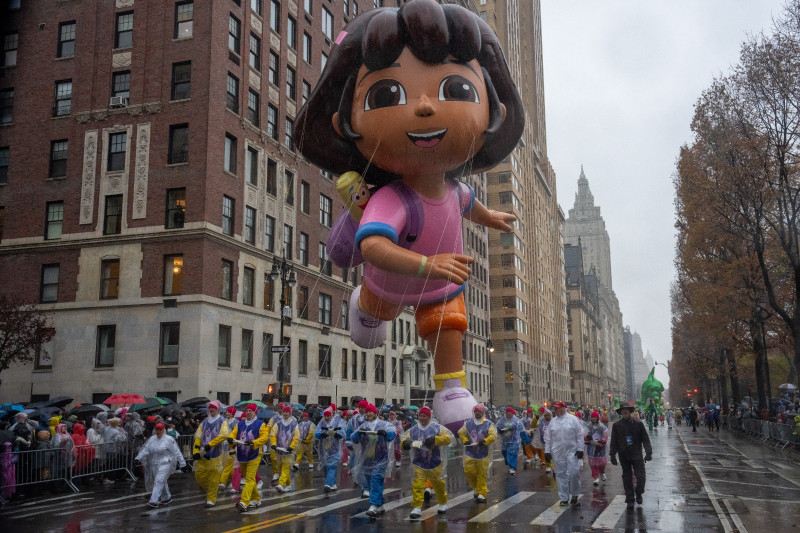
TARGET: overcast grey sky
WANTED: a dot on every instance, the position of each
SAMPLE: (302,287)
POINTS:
(621,80)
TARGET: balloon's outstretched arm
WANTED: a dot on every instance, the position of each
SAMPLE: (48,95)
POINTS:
(385,255)
(490,218)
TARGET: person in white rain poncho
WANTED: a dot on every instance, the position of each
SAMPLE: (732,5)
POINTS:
(670,416)
(160,454)
(428,442)
(373,445)
(563,441)
(356,420)
(511,432)
(330,433)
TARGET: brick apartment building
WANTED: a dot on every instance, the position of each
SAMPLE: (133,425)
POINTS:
(148,186)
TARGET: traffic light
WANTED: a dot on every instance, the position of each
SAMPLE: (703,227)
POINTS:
(695,391)
(269,397)
(287,390)
(271,388)
(509,376)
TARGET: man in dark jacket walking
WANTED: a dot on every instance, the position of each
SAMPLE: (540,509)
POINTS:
(628,436)
(693,418)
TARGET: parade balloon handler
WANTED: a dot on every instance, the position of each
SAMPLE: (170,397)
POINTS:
(249,435)
(564,447)
(373,447)
(478,433)
(529,423)
(160,454)
(358,417)
(210,451)
(413,99)
(273,457)
(230,454)
(283,440)
(305,446)
(596,447)
(330,434)
(428,442)
(545,416)
(512,433)
(398,426)
(628,436)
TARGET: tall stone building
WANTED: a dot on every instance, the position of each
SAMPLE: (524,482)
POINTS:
(527,264)
(627,341)
(640,369)
(585,224)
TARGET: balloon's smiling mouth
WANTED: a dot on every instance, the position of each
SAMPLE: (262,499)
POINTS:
(427,140)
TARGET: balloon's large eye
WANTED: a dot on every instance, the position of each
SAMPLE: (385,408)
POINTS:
(457,88)
(385,93)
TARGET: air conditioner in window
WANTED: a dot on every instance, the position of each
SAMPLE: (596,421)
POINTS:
(118,101)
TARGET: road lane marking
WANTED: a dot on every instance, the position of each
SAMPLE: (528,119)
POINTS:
(551,514)
(388,506)
(495,510)
(269,499)
(143,505)
(126,497)
(735,517)
(430,512)
(38,510)
(610,516)
(754,484)
(779,465)
(37,502)
(262,525)
(726,525)
(754,470)
(322,510)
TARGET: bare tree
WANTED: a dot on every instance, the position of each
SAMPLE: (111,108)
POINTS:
(24,329)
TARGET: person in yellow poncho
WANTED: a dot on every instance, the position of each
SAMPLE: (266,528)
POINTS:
(250,435)
(477,434)
(208,466)
(305,446)
(227,469)
(283,440)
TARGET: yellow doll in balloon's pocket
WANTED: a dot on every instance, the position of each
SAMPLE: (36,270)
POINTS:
(354,193)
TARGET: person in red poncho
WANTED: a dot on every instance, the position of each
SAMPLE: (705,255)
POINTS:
(85,452)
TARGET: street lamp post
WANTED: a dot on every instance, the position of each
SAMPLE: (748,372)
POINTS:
(490,347)
(284,271)
(549,382)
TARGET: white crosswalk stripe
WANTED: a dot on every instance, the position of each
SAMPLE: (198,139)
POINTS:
(550,515)
(451,502)
(389,506)
(39,509)
(495,510)
(268,499)
(610,516)
(322,510)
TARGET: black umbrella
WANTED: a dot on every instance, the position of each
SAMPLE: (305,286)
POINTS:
(44,411)
(86,410)
(171,408)
(61,401)
(35,405)
(195,401)
(7,436)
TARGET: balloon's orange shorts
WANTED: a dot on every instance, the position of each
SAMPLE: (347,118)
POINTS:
(451,314)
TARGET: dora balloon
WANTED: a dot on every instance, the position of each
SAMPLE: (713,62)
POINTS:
(412,99)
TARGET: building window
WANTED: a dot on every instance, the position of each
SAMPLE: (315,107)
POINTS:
(181,80)
(178,144)
(307,48)
(253,107)
(247,348)
(394,370)
(323,61)
(363,366)
(269,234)
(324,261)
(176,208)
(58,158)
(327,23)
(106,339)
(344,313)
(55,218)
(305,194)
(324,361)
(248,286)
(302,357)
(234,34)
(275,16)
(380,368)
(109,279)
(288,140)
(66,39)
(123,36)
(249,225)
(10,43)
(255,5)
(117,148)
(227,280)
(291,33)
(308,6)
(173,274)
(112,221)
(228,211)
(63,98)
(306,91)
(170,343)
(302,302)
(232,93)
(3,165)
(224,346)
(255,52)
(266,352)
(325,211)
(274,63)
(355,8)
(6,105)
(230,153)
(272,123)
(269,293)
(287,241)
(324,316)
(303,248)
(184,13)
(252,163)
(291,83)
(121,84)
(272,177)
(49,289)
(288,185)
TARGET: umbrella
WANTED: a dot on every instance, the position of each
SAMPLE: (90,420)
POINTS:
(298,406)
(61,401)
(787,386)
(118,399)
(88,409)
(35,405)
(712,406)
(154,402)
(195,401)
(244,403)
(412,408)
(7,436)
(171,408)
(12,407)
(265,414)
(46,411)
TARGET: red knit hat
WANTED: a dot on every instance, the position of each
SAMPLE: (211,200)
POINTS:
(371,409)
(594,414)
(510,410)
(363,403)
(305,415)
(479,407)
(231,410)
(425,411)
(253,407)
(560,404)
(159,426)
(286,409)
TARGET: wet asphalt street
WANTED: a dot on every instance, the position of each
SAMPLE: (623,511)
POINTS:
(701,482)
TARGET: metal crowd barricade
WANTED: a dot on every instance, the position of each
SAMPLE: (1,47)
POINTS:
(32,467)
(101,459)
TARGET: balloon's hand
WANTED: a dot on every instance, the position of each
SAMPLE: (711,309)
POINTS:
(500,220)
(452,267)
